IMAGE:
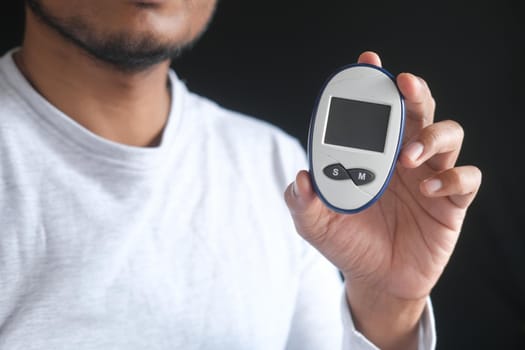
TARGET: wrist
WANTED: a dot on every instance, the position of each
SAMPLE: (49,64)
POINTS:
(387,321)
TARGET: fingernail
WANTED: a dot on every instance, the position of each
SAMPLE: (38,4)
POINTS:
(433,185)
(294,189)
(414,150)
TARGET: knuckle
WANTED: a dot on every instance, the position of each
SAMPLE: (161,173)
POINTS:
(288,196)
(432,103)
(458,128)
(477,174)
(443,132)
(431,136)
(454,128)
(456,177)
(429,108)
(465,179)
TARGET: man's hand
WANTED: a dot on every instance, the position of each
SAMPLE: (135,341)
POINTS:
(393,253)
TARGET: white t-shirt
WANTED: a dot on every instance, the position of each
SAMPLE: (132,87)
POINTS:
(188,245)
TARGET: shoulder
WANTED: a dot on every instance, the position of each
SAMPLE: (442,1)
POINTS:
(12,108)
(241,132)
(11,103)
(227,119)
(245,141)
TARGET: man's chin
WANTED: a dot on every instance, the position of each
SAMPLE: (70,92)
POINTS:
(131,58)
(125,51)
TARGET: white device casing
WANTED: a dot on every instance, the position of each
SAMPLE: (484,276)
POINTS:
(367,83)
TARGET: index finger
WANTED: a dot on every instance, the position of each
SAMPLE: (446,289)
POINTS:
(419,103)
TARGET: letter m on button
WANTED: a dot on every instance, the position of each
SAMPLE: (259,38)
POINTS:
(361,176)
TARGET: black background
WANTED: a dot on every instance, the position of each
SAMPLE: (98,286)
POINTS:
(269,59)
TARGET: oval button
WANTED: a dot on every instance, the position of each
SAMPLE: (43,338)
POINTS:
(361,176)
(336,172)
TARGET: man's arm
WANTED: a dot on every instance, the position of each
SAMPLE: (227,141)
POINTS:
(393,253)
(323,321)
(390,323)
(353,339)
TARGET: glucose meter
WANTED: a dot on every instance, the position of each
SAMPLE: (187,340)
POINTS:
(355,136)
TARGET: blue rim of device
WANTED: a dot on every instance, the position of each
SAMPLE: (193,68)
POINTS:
(310,137)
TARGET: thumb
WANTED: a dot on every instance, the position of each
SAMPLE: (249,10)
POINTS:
(305,207)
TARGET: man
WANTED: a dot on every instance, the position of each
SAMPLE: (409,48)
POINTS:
(137,215)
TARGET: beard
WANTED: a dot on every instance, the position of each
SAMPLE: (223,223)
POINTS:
(129,53)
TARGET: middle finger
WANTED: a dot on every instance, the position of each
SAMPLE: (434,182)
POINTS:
(438,144)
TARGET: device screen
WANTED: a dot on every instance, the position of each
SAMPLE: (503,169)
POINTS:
(357,124)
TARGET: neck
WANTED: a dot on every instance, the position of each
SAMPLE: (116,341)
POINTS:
(125,107)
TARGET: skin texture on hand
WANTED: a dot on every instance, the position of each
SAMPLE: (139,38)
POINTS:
(393,253)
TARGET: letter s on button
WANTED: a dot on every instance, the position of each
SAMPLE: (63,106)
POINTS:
(336,172)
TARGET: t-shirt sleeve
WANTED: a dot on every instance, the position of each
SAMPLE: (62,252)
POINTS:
(353,339)
(316,323)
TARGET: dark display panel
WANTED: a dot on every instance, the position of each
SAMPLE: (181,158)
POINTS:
(357,124)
